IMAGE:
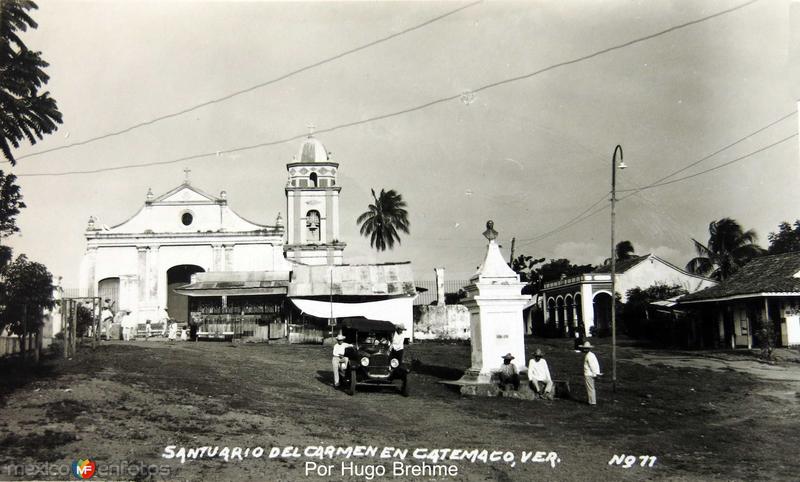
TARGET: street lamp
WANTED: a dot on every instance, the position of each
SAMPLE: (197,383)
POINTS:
(614,167)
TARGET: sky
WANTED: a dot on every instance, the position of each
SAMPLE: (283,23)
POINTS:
(530,154)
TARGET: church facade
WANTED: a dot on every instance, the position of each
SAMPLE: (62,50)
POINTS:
(185,231)
(187,252)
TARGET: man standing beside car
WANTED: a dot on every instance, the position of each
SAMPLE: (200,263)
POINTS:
(338,357)
(398,343)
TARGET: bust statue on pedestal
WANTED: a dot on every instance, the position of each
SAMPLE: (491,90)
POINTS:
(495,306)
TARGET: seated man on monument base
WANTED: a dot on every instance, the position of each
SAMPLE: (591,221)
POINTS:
(539,376)
(508,373)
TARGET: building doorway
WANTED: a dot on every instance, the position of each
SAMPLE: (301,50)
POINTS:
(602,314)
(178,305)
(108,289)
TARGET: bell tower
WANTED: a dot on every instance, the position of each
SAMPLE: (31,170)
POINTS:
(312,206)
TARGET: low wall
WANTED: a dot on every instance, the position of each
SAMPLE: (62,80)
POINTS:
(448,322)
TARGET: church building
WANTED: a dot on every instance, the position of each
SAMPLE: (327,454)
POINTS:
(187,252)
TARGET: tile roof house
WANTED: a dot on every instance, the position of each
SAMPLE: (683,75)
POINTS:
(765,289)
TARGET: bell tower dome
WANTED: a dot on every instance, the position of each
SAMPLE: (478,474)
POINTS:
(312,206)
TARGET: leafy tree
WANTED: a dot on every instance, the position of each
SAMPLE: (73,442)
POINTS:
(383,219)
(624,250)
(525,267)
(555,269)
(454,298)
(28,291)
(634,313)
(10,205)
(786,240)
(25,111)
(84,320)
(728,249)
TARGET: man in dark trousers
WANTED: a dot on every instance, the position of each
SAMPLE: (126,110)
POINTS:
(508,373)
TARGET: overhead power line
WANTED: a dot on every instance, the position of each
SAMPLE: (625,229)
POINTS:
(409,109)
(739,141)
(631,192)
(254,87)
(665,183)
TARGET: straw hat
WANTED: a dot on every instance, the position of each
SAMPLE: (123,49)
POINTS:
(538,352)
(508,356)
(340,337)
(586,345)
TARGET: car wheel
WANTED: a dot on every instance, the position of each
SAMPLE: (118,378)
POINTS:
(351,390)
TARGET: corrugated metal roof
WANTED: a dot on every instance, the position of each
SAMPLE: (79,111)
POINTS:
(236,283)
(385,280)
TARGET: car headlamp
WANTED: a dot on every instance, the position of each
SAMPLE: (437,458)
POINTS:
(394,363)
(365,361)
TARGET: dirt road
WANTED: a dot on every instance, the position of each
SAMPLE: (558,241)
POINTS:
(125,403)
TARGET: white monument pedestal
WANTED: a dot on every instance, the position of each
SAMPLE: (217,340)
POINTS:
(495,306)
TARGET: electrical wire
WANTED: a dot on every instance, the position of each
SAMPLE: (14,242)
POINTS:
(580,218)
(406,110)
(254,87)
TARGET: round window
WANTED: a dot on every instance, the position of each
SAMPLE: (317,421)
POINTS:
(187,218)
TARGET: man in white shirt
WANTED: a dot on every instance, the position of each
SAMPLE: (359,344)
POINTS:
(539,376)
(591,370)
(338,357)
(398,343)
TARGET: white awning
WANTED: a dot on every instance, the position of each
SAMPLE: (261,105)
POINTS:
(395,310)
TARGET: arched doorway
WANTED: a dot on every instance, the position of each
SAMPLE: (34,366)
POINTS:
(178,305)
(579,314)
(568,305)
(108,288)
(602,313)
(551,311)
(560,315)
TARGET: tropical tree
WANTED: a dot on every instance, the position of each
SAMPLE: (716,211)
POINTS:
(786,240)
(525,267)
(28,290)
(25,111)
(555,269)
(10,205)
(383,219)
(728,249)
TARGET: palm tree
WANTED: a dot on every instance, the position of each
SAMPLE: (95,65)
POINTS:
(383,219)
(25,111)
(728,249)
(624,250)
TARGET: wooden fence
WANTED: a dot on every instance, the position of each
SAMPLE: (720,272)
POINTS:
(428,297)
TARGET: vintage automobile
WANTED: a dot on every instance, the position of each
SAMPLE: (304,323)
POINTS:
(367,359)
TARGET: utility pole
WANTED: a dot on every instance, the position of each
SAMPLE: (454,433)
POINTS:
(26,338)
(73,329)
(513,241)
(614,266)
(66,314)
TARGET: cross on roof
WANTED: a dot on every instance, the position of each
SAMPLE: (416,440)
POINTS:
(311,128)
(186,172)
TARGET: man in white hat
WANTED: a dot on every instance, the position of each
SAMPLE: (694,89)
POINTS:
(338,357)
(591,370)
(539,376)
(508,373)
